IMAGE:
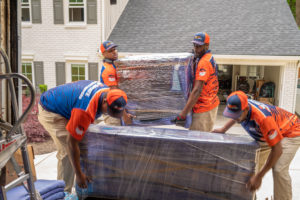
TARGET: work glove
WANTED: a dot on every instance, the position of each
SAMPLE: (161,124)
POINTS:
(179,121)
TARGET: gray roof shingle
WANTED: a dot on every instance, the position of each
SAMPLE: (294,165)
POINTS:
(243,27)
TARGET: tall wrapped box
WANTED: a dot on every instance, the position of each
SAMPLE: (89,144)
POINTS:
(156,164)
(157,86)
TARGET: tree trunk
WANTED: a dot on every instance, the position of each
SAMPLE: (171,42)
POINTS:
(298,12)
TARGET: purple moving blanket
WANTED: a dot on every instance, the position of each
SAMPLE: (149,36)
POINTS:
(48,189)
(152,163)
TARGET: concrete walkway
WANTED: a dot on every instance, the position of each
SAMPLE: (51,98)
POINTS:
(46,165)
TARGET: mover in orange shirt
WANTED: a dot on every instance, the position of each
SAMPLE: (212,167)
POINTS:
(269,124)
(108,76)
(203,99)
(108,73)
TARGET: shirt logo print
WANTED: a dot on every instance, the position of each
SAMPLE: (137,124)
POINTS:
(202,73)
(79,130)
(272,135)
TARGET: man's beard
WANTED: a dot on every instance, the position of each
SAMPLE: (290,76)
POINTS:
(200,54)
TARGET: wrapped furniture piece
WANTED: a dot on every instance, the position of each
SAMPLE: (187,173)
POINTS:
(155,164)
(157,86)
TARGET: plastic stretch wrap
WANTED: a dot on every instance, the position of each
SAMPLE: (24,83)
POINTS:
(157,86)
(155,164)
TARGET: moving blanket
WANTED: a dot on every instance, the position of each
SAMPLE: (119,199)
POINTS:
(154,163)
(48,189)
(157,86)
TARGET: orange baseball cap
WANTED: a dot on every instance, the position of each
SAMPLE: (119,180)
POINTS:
(237,102)
(201,38)
(116,100)
(106,45)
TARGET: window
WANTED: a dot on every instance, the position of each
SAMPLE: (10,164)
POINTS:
(27,70)
(113,2)
(25,5)
(78,72)
(76,10)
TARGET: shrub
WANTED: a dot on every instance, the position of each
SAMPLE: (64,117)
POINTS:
(43,88)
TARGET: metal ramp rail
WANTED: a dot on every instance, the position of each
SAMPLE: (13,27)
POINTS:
(12,138)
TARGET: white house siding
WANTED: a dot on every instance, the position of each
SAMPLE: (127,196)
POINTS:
(50,43)
(112,14)
(289,86)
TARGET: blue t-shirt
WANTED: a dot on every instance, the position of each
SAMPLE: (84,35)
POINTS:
(80,102)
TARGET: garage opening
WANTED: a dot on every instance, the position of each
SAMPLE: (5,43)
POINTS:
(258,82)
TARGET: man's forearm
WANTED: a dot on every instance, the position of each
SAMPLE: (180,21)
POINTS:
(74,154)
(228,125)
(193,98)
(191,102)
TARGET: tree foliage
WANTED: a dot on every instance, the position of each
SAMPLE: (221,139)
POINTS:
(292,4)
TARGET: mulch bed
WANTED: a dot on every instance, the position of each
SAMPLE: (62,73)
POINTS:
(34,130)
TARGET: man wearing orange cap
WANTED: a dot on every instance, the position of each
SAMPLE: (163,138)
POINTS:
(203,99)
(269,124)
(108,76)
(67,111)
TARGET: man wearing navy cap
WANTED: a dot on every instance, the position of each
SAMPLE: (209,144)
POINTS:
(108,76)
(108,73)
(269,124)
(203,99)
(67,111)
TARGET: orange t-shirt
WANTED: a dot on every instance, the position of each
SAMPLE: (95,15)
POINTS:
(108,74)
(267,123)
(206,71)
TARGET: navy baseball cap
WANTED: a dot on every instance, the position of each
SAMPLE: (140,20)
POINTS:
(237,102)
(116,100)
(107,45)
(201,38)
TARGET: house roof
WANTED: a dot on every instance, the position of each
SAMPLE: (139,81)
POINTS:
(244,27)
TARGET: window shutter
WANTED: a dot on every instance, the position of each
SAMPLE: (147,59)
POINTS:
(93,71)
(58,11)
(92,11)
(36,11)
(60,73)
(38,73)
